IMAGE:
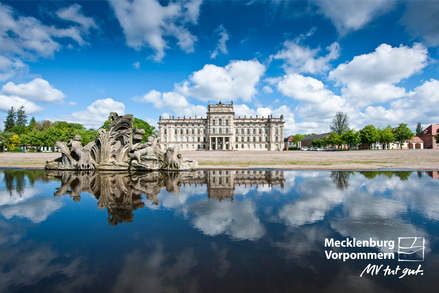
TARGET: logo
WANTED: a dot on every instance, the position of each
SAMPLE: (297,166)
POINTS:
(411,248)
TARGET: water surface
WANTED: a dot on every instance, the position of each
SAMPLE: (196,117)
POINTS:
(217,231)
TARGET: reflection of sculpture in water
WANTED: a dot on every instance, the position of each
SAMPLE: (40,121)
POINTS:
(120,193)
(119,148)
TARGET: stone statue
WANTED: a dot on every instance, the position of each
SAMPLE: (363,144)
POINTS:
(74,156)
(174,160)
(119,148)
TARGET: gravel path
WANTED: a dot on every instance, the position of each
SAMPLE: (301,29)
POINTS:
(401,159)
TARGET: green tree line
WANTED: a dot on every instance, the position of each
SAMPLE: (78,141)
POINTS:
(342,135)
(45,133)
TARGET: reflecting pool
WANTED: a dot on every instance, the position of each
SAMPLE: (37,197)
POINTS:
(219,231)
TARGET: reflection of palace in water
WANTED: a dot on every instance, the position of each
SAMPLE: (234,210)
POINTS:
(121,192)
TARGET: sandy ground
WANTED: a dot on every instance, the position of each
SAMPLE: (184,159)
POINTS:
(377,159)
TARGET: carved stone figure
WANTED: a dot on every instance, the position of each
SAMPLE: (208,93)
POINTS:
(119,148)
(74,156)
(174,160)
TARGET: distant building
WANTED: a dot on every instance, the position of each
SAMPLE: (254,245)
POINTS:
(221,130)
(307,141)
(427,136)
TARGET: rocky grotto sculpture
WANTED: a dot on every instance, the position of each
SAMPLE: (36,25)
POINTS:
(119,148)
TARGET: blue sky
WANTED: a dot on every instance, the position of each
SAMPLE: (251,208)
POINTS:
(375,60)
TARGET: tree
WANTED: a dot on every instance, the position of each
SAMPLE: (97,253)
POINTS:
(351,137)
(10,119)
(402,133)
(297,138)
(368,135)
(386,136)
(340,123)
(14,141)
(418,128)
(335,139)
(21,117)
(317,143)
(32,123)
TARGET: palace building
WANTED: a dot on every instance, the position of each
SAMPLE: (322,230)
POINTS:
(221,130)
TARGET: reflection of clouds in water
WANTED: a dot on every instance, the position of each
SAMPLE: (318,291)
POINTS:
(28,264)
(221,257)
(317,195)
(236,219)
(172,200)
(10,233)
(14,197)
(419,194)
(35,209)
(302,241)
(158,272)
(289,182)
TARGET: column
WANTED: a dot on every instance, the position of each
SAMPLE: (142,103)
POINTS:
(210,143)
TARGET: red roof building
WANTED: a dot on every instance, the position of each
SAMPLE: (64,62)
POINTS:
(427,136)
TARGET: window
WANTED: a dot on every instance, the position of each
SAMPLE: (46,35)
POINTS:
(187,131)
(165,131)
(266,130)
(236,132)
(198,139)
(213,122)
(198,131)
(277,130)
(227,122)
(236,146)
(260,139)
(248,139)
(254,130)
(236,139)
(254,139)
(181,132)
(193,131)
(242,138)
(242,146)
(248,131)
(175,131)
(220,130)
(227,130)
(220,122)
(213,130)
(260,130)
(242,131)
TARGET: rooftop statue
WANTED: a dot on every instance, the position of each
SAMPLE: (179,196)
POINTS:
(119,148)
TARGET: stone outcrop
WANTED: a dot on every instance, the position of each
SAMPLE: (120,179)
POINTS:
(119,148)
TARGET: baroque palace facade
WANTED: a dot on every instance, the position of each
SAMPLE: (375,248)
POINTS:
(221,130)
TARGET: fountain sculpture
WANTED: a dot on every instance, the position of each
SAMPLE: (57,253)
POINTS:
(119,148)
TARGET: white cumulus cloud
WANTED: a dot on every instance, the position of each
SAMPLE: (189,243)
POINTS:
(36,90)
(97,113)
(351,15)
(372,78)
(28,37)
(237,80)
(147,23)
(9,67)
(302,59)
(13,101)
(173,101)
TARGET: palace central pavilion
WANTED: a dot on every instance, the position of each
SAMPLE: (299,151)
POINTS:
(221,130)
